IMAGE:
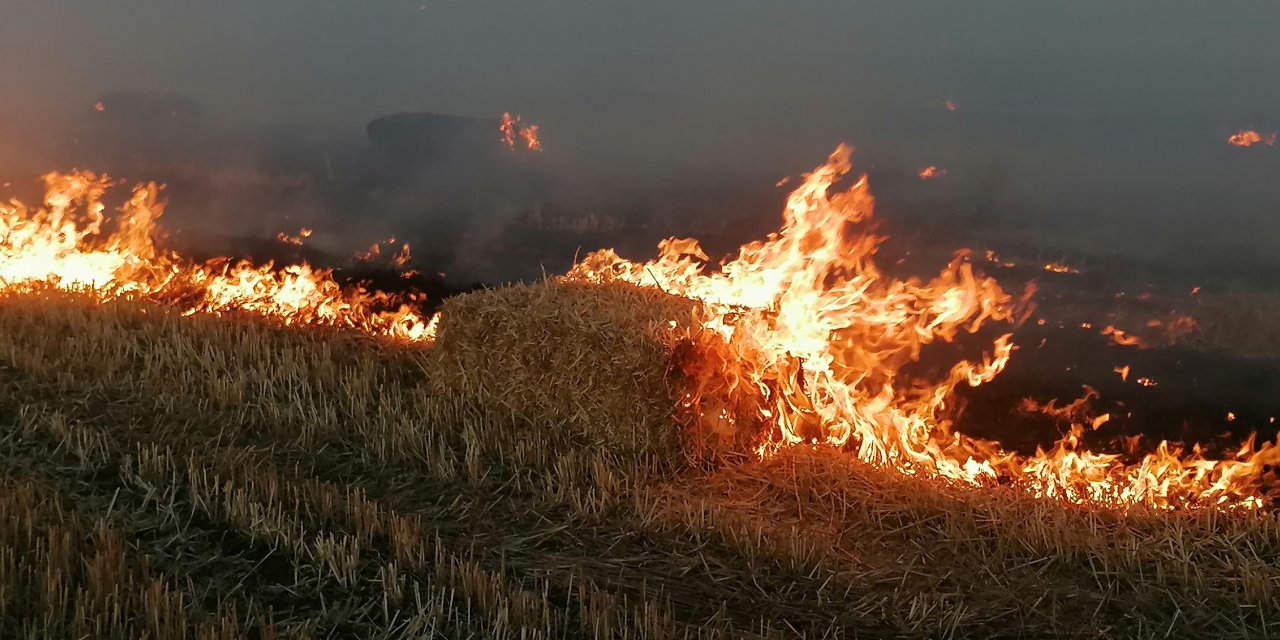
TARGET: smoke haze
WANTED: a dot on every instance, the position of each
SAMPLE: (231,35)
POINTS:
(1098,124)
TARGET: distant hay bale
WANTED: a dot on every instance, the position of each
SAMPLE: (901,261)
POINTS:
(593,358)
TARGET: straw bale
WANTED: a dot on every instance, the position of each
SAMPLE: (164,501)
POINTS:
(596,359)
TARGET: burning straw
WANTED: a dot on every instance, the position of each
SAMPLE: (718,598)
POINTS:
(798,341)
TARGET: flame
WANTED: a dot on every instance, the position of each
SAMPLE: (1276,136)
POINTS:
(296,241)
(995,259)
(530,135)
(1124,372)
(1121,338)
(930,172)
(402,257)
(1249,137)
(512,128)
(1058,267)
(807,340)
(398,260)
(65,243)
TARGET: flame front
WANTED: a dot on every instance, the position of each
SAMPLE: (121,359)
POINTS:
(64,244)
(813,340)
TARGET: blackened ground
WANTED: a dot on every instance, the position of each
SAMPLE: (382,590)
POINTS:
(1216,399)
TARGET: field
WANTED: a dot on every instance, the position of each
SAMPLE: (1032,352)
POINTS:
(204,477)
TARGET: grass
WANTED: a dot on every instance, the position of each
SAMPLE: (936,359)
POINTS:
(168,477)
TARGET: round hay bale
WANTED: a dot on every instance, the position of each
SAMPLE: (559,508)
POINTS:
(592,358)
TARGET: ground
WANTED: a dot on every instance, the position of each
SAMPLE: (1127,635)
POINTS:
(171,477)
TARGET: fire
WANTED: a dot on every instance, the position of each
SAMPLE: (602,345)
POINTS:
(1058,267)
(399,259)
(930,172)
(807,343)
(1121,338)
(995,259)
(513,128)
(69,243)
(1249,137)
(99,107)
(296,241)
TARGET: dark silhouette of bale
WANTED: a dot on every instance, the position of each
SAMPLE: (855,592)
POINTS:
(435,137)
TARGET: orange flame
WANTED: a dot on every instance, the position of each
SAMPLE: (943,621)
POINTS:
(63,244)
(1058,267)
(1123,339)
(810,340)
(930,172)
(1249,137)
(512,128)
(296,241)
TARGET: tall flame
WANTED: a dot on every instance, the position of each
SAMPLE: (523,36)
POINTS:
(813,340)
(65,244)
(513,128)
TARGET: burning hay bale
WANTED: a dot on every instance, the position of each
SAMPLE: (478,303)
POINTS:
(595,359)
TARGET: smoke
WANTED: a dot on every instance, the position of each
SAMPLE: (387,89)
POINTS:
(1075,124)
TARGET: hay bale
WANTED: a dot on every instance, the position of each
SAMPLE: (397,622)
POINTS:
(592,358)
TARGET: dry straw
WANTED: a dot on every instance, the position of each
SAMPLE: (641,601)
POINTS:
(592,358)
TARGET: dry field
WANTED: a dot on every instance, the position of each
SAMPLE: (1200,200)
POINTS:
(168,477)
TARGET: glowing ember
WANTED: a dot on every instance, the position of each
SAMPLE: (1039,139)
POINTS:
(951,106)
(399,259)
(1124,372)
(809,339)
(63,244)
(402,257)
(296,241)
(99,107)
(1058,267)
(930,172)
(1249,137)
(995,259)
(513,128)
(1121,338)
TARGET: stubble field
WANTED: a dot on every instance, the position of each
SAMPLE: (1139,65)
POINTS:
(198,477)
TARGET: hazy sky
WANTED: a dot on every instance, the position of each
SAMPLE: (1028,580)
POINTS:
(768,63)
(1114,102)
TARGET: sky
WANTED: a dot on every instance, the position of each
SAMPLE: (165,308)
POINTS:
(1111,114)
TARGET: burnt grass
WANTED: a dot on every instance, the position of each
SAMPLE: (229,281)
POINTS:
(1215,385)
(170,477)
